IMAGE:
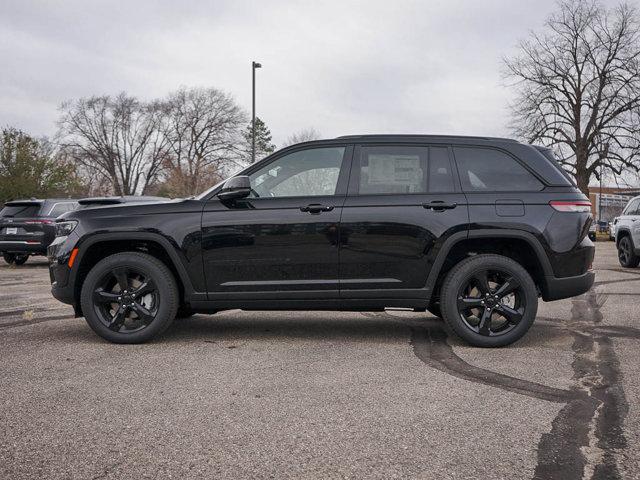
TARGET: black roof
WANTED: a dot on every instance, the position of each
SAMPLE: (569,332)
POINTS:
(420,137)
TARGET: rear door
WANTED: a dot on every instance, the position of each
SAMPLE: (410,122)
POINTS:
(403,202)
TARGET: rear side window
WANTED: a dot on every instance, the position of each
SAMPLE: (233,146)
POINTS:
(401,169)
(20,211)
(60,208)
(489,170)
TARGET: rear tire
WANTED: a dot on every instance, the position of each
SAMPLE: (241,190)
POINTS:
(129,297)
(9,258)
(626,255)
(489,300)
(21,259)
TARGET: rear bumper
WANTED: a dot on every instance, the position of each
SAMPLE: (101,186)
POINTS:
(559,288)
(23,246)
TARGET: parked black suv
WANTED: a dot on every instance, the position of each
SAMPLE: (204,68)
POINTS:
(27,227)
(473,229)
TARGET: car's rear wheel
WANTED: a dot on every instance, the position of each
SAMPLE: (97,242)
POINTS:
(626,254)
(9,258)
(21,259)
(129,297)
(489,300)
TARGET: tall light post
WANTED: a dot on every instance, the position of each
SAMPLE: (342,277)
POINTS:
(254,66)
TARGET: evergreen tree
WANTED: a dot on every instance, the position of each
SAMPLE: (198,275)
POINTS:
(264,146)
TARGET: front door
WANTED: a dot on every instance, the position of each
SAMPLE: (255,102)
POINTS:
(282,241)
(403,201)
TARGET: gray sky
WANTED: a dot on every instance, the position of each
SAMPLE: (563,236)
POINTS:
(341,67)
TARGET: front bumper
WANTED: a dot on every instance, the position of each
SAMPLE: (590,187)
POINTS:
(58,253)
(559,288)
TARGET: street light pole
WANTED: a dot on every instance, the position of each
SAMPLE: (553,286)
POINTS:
(254,65)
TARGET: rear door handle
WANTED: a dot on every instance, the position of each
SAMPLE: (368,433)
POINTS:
(316,208)
(439,206)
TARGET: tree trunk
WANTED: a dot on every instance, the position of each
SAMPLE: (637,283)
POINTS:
(582,174)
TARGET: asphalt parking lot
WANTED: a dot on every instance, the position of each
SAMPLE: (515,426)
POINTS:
(321,394)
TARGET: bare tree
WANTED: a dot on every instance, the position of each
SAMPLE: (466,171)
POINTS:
(304,135)
(202,128)
(578,88)
(118,138)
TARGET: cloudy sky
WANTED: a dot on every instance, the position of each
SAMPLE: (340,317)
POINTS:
(341,67)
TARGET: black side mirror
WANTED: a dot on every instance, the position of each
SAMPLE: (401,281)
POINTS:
(235,187)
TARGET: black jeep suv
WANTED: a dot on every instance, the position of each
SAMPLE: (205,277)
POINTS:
(472,229)
(27,226)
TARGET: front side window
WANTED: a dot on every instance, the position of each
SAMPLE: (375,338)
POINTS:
(490,170)
(305,173)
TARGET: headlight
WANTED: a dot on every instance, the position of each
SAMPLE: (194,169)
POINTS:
(65,228)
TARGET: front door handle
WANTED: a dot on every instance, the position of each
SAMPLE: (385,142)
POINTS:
(316,208)
(439,206)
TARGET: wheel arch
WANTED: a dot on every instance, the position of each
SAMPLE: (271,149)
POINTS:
(621,233)
(99,246)
(518,245)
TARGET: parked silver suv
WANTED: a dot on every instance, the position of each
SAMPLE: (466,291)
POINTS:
(628,234)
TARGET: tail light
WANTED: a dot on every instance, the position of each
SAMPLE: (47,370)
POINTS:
(579,206)
(39,222)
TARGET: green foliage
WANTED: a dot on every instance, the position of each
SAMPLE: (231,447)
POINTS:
(264,146)
(30,168)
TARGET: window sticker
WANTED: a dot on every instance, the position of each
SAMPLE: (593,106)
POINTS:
(394,170)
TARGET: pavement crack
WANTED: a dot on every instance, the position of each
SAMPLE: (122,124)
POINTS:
(587,437)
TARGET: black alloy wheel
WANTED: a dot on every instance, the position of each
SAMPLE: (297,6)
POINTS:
(489,300)
(129,297)
(126,299)
(9,257)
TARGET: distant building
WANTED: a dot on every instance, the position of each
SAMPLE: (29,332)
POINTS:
(609,202)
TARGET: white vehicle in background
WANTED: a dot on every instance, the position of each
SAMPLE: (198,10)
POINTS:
(612,229)
(627,234)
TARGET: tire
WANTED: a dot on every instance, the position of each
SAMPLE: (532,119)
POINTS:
(9,258)
(434,309)
(489,300)
(626,255)
(145,309)
(21,259)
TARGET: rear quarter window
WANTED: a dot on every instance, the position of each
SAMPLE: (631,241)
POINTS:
(491,170)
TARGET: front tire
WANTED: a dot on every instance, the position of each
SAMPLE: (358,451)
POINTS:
(9,258)
(129,297)
(489,300)
(626,255)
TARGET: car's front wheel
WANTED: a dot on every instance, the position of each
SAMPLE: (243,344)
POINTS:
(489,300)
(9,258)
(129,297)
(626,254)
